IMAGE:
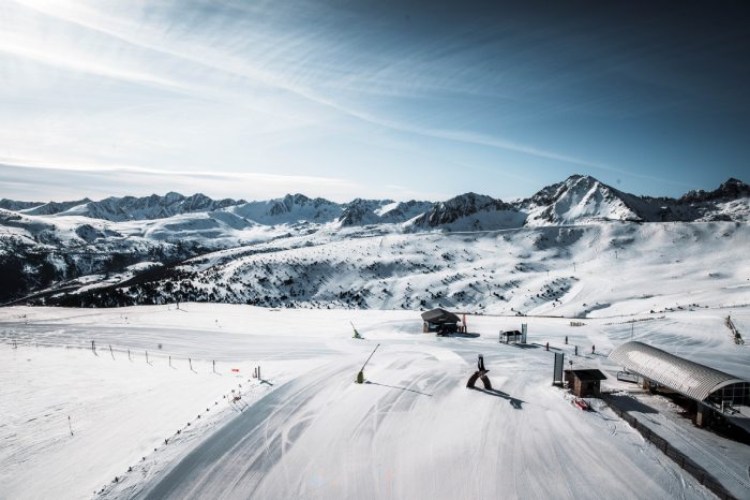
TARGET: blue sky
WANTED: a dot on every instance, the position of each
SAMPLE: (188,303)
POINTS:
(343,99)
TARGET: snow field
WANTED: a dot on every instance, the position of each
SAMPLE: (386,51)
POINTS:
(119,411)
(413,431)
(577,271)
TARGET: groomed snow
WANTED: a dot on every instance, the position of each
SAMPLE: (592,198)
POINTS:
(413,431)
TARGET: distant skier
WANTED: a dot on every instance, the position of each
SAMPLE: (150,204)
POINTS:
(593,349)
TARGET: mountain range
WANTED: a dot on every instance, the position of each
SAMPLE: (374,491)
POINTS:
(575,200)
(61,252)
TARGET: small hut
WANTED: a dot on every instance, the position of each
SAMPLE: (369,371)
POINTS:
(509,336)
(440,321)
(584,382)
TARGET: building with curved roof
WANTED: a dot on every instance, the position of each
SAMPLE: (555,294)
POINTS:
(699,382)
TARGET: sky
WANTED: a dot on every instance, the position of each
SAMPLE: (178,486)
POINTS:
(370,98)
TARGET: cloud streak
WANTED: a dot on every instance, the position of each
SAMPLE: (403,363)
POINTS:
(72,183)
(323,86)
(32,183)
(198,55)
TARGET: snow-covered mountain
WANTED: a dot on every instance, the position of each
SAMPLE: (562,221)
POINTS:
(52,207)
(368,212)
(470,211)
(403,211)
(362,212)
(544,270)
(729,190)
(291,209)
(7,204)
(579,199)
(60,244)
(131,208)
(729,202)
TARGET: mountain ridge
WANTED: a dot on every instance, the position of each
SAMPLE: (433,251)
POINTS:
(579,197)
(45,245)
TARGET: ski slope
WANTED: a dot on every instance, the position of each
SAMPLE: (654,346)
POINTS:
(307,431)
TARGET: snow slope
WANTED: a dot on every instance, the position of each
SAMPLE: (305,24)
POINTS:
(413,431)
(572,271)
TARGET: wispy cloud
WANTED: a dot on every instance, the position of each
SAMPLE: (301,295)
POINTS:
(321,87)
(201,54)
(44,183)
(70,61)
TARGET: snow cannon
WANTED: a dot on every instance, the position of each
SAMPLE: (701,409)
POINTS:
(361,374)
(481,373)
(356,335)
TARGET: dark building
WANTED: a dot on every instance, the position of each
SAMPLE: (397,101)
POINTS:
(440,321)
(584,382)
(511,336)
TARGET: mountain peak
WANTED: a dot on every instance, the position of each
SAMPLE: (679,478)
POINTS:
(458,207)
(734,188)
(579,177)
(580,198)
(731,189)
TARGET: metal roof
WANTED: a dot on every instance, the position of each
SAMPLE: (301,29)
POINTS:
(439,316)
(687,377)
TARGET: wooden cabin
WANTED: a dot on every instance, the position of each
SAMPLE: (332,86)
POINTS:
(584,382)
